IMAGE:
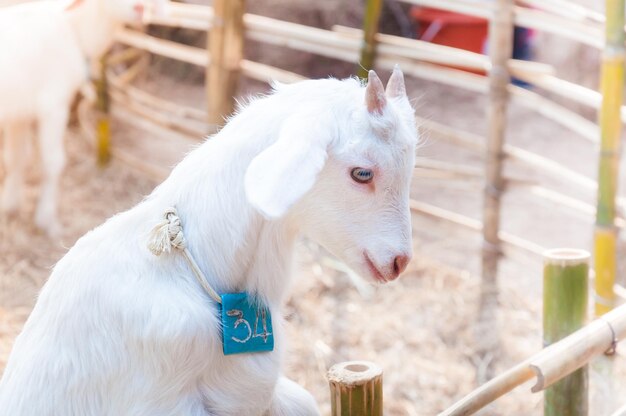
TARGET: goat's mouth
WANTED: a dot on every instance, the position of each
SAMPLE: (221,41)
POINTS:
(378,276)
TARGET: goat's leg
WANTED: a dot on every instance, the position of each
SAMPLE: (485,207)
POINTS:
(52,126)
(290,399)
(15,144)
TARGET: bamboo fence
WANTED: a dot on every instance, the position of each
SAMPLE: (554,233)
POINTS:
(419,59)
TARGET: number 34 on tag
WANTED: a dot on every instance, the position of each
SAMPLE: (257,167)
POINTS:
(246,325)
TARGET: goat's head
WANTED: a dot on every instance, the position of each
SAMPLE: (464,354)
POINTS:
(341,171)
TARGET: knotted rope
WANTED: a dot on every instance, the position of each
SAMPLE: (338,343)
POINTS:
(168,234)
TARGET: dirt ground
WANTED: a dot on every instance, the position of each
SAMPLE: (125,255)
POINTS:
(421,329)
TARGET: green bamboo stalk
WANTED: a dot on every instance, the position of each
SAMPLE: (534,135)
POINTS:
(103,129)
(356,389)
(612,83)
(370,28)
(565,294)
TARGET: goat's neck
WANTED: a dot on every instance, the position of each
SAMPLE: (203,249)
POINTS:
(233,244)
(93,27)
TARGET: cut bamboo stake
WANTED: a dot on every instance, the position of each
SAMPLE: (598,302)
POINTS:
(103,122)
(550,364)
(500,52)
(368,45)
(356,389)
(225,47)
(565,283)
(612,82)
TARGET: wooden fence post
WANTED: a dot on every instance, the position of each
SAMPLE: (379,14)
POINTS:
(225,45)
(500,51)
(356,389)
(370,28)
(612,83)
(103,129)
(565,294)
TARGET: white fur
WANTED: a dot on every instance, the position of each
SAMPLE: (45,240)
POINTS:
(119,331)
(44,51)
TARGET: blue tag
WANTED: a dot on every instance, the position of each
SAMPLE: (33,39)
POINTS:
(246,325)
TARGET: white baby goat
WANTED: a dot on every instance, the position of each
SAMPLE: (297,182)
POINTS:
(119,331)
(44,51)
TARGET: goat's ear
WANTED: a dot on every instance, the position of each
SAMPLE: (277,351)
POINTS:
(281,174)
(395,85)
(375,94)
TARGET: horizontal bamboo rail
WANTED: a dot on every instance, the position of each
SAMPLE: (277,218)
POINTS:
(550,364)
(567,9)
(474,225)
(525,157)
(199,56)
(153,101)
(586,32)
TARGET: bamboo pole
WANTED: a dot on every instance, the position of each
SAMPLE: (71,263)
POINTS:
(370,28)
(500,51)
(356,389)
(507,239)
(612,83)
(103,123)
(566,9)
(565,283)
(225,47)
(163,47)
(550,364)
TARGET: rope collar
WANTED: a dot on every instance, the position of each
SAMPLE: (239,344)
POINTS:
(168,234)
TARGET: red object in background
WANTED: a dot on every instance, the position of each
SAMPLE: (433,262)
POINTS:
(451,29)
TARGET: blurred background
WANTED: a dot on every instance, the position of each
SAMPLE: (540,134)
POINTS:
(437,332)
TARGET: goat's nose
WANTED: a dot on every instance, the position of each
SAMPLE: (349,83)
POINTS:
(139,8)
(399,265)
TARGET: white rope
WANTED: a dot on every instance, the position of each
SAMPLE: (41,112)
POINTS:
(168,234)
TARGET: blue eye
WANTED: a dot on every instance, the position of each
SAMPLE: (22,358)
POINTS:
(362,175)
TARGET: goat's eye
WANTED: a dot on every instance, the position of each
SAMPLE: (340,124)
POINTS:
(362,175)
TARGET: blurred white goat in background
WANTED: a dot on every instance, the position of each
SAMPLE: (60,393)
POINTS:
(45,49)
